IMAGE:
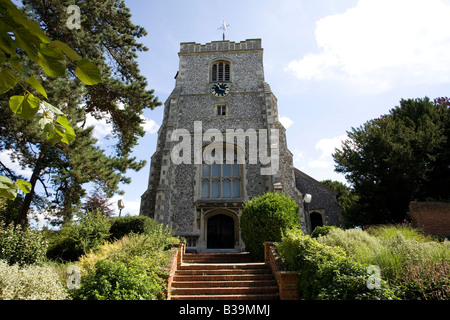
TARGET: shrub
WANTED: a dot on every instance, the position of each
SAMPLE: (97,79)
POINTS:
(122,226)
(265,218)
(105,273)
(115,280)
(357,243)
(415,266)
(21,245)
(30,283)
(77,239)
(326,272)
(321,231)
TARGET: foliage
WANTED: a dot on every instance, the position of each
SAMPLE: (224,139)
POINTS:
(415,265)
(119,281)
(20,35)
(76,239)
(134,267)
(9,209)
(98,201)
(20,245)
(265,218)
(108,38)
(397,158)
(122,226)
(356,243)
(326,272)
(30,283)
(321,231)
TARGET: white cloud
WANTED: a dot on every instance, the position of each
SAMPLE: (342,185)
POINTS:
(328,145)
(150,126)
(285,121)
(5,158)
(382,43)
(102,128)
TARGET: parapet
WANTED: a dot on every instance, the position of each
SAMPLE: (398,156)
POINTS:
(192,47)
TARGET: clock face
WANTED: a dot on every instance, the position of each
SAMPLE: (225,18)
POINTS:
(220,89)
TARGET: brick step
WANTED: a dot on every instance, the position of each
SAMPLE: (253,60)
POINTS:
(215,284)
(218,258)
(222,271)
(222,266)
(269,296)
(224,277)
(224,290)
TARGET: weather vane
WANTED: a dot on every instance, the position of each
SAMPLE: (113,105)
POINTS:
(224,28)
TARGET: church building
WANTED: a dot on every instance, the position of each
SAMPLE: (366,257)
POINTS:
(220,144)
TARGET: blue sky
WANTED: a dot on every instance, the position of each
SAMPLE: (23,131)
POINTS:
(332,65)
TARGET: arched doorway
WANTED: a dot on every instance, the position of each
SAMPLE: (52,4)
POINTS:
(316,220)
(220,232)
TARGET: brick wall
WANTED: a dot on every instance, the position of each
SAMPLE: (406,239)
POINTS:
(287,280)
(431,217)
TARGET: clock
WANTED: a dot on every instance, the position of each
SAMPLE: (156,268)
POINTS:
(220,89)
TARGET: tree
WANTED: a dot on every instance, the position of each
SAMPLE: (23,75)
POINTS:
(397,158)
(265,218)
(98,202)
(19,36)
(108,38)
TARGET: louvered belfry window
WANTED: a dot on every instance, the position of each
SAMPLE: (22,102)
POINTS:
(220,71)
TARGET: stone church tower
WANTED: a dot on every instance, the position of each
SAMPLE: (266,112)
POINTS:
(219,145)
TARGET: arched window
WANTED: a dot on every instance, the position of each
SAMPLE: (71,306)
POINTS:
(221,181)
(220,71)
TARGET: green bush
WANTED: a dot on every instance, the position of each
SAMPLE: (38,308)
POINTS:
(416,266)
(21,245)
(146,255)
(357,243)
(131,224)
(76,239)
(326,272)
(115,280)
(30,282)
(321,231)
(265,218)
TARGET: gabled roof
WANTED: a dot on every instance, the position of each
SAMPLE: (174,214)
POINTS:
(304,175)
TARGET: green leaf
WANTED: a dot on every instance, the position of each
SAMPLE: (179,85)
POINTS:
(27,42)
(52,61)
(88,72)
(25,186)
(66,49)
(69,134)
(7,80)
(24,106)
(8,189)
(37,86)
(14,60)
(52,108)
(6,42)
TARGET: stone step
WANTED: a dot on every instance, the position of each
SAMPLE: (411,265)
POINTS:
(221,266)
(217,258)
(215,284)
(269,296)
(222,271)
(225,277)
(224,290)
